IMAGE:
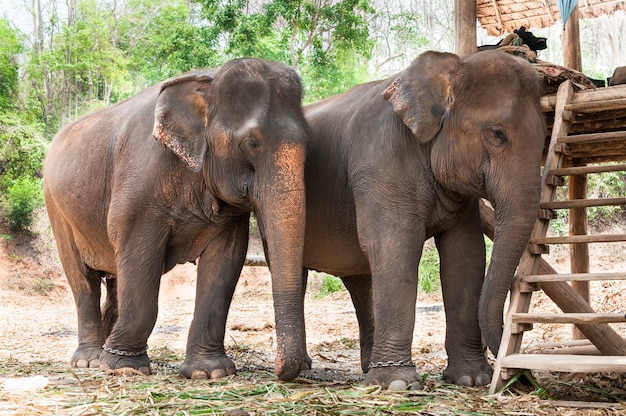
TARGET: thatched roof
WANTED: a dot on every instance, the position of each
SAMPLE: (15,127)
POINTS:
(502,16)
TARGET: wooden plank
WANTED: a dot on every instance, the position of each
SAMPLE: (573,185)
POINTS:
(583,203)
(586,170)
(575,239)
(593,137)
(579,277)
(599,94)
(568,318)
(593,106)
(567,363)
(548,102)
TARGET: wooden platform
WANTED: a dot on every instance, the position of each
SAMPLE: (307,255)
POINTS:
(587,136)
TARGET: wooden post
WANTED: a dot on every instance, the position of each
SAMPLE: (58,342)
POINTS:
(572,57)
(465,27)
(579,253)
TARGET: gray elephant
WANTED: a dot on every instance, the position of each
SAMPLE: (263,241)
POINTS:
(126,208)
(619,76)
(394,162)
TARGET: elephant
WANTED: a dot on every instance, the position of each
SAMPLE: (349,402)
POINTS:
(394,162)
(171,176)
(619,76)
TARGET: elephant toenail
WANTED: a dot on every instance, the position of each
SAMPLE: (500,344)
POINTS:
(465,381)
(416,385)
(199,375)
(218,373)
(483,379)
(397,385)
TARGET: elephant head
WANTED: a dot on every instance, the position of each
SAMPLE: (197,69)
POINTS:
(242,126)
(481,116)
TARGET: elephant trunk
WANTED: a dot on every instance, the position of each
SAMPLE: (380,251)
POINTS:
(282,221)
(515,218)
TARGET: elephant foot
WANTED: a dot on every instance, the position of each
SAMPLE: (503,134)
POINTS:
(469,374)
(125,363)
(87,357)
(394,378)
(207,368)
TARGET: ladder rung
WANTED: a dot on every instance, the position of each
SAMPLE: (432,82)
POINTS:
(592,137)
(568,318)
(585,170)
(583,203)
(576,239)
(578,277)
(593,106)
(567,363)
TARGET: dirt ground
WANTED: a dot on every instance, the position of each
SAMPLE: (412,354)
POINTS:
(38,331)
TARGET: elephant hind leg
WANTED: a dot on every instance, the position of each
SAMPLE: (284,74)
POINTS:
(110,309)
(85,285)
(360,288)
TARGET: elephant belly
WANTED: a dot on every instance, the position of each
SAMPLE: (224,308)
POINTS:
(336,255)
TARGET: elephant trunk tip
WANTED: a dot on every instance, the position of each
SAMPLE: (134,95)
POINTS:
(490,325)
(287,370)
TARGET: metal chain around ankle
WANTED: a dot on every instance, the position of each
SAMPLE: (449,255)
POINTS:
(380,364)
(110,350)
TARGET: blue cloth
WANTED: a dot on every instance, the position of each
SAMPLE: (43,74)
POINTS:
(565,8)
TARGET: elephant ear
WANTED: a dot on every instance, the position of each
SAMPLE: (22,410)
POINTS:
(422,93)
(181,116)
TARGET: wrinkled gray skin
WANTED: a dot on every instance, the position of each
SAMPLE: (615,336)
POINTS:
(394,162)
(619,76)
(170,176)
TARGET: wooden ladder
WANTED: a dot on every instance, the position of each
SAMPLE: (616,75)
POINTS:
(580,135)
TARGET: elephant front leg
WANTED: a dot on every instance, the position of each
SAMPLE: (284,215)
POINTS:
(462,255)
(219,268)
(394,263)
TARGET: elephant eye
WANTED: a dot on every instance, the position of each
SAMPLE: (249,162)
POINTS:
(251,143)
(496,135)
(250,147)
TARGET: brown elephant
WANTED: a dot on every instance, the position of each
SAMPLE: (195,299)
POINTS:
(619,76)
(126,208)
(393,162)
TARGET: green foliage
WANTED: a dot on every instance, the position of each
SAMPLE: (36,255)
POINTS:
(165,38)
(328,42)
(429,281)
(330,284)
(605,185)
(21,160)
(11,44)
(21,199)
(22,149)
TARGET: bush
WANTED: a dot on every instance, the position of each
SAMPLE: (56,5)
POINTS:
(429,272)
(330,284)
(22,150)
(22,198)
